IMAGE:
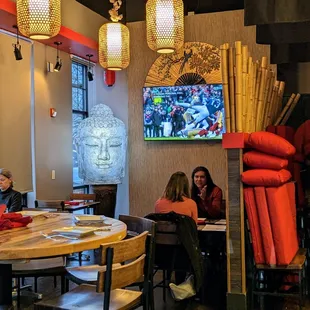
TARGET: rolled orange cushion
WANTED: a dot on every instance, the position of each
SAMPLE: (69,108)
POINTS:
(255,159)
(251,210)
(265,177)
(270,143)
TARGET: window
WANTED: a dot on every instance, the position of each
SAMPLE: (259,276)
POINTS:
(79,112)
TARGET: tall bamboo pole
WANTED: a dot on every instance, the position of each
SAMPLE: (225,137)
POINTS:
(238,93)
(250,96)
(269,99)
(290,110)
(232,89)
(224,58)
(288,104)
(274,102)
(244,84)
(260,102)
(258,79)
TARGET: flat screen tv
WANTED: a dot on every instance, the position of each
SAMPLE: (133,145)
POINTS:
(190,112)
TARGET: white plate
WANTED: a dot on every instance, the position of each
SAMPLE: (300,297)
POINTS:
(75,231)
(32,213)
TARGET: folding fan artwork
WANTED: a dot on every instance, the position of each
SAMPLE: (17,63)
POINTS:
(195,63)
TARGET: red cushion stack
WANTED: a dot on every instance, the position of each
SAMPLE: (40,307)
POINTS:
(270,198)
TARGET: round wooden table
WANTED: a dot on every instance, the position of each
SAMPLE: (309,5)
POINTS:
(29,243)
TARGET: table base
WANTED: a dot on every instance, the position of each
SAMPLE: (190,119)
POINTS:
(5,285)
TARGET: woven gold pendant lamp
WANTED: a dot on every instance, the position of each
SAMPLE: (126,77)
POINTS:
(39,19)
(114,53)
(165,25)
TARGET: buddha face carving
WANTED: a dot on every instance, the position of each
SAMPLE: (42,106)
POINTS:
(101,146)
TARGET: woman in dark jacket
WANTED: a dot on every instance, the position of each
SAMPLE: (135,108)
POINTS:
(8,196)
(206,194)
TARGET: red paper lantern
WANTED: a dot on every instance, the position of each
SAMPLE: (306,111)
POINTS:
(109,77)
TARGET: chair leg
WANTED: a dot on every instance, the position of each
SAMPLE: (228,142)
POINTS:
(35,284)
(164,285)
(18,292)
(62,285)
(23,281)
(261,303)
(67,288)
(151,295)
(55,281)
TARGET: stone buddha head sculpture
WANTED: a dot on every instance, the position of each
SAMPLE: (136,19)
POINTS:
(101,142)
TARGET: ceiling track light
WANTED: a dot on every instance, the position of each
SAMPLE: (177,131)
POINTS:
(17,47)
(58,59)
(90,74)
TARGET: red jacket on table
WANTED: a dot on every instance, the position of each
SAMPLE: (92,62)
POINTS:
(210,207)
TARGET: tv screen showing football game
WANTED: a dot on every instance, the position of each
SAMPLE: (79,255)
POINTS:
(191,112)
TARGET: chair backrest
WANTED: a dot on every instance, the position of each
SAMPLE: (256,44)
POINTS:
(87,197)
(121,276)
(124,275)
(124,250)
(137,225)
(166,233)
(50,204)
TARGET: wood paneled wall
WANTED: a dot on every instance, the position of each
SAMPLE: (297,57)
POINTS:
(152,163)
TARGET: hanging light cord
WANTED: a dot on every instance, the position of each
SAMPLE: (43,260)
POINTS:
(115,17)
(17,36)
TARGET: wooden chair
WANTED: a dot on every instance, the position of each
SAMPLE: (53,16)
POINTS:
(268,280)
(135,226)
(107,294)
(168,250)
(262,284)
(50,205)
(86,197)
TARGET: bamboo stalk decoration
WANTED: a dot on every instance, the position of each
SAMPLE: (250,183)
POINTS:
(290,110)
(244,84)
(280,98)
(253,119)
(258,79)
(249,98)
(252,96)
(238,88)
(232,89)
(269,99)
(224,58)
(288,104)
(260,102)
(274,100)
(266,92)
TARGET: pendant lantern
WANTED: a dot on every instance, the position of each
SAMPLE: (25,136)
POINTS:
(109,77)
(39,19)
(114,51)
(165,25)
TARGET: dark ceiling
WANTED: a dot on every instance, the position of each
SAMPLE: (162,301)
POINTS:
(134,10)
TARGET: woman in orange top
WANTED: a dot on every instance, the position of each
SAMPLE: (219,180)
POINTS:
(176,197)
(207,195)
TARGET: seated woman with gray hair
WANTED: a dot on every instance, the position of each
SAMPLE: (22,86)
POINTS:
(8,196)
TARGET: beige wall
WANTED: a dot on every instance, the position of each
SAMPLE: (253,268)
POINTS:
(15,100)
(152,163)
(80,19)
(53,136)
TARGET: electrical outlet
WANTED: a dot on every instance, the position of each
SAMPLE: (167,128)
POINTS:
(53,175)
